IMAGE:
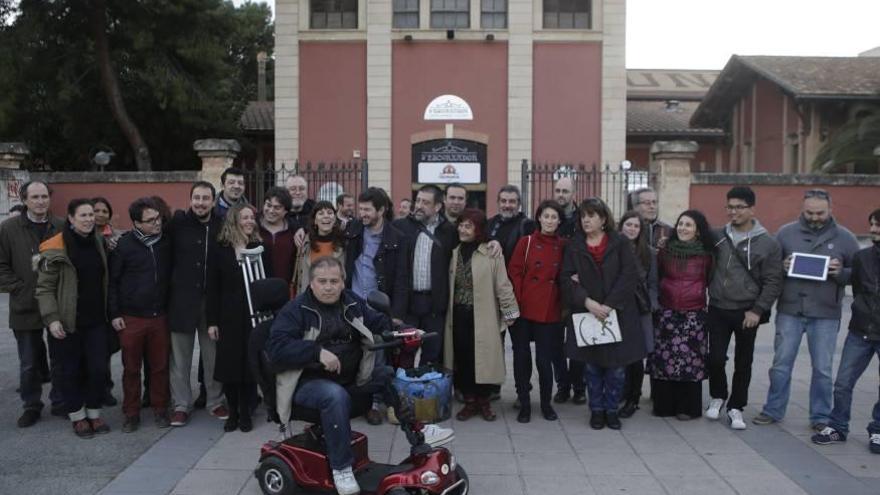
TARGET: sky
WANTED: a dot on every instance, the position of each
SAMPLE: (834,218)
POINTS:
(703,34)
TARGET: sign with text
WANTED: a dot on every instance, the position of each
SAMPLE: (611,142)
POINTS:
(449,160)
(448,107)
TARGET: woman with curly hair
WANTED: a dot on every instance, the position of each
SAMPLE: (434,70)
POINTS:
(681,340)
(324,237)
(227,312)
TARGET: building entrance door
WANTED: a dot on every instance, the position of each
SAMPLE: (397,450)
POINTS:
(447,161)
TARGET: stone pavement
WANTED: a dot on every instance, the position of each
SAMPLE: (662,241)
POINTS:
(650,455)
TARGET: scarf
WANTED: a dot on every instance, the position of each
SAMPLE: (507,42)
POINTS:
(681,251)
(147,240)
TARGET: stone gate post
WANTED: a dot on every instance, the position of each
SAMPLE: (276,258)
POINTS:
(671,161)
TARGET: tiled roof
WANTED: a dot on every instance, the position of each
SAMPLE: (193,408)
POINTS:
(800,77)
(258,116)
(660,84)
(664,118)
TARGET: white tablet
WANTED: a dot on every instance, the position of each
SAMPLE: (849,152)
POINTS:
(809,266)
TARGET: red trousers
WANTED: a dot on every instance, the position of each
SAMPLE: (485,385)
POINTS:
(144,336)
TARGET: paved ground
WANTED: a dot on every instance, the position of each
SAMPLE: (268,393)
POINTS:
(650,455)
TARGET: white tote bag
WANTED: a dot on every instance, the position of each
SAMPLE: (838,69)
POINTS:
(590,331)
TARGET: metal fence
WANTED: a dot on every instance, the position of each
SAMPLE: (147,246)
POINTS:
(612,186)
(326,180)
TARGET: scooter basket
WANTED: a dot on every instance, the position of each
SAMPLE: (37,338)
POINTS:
(427,390)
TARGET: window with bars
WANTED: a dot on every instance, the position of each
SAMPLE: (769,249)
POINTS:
(493,14)
(333,14)
(406,14)
(450,14)
(567,14)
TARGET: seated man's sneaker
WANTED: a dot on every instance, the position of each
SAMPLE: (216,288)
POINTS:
(437,436)
(828,435)
(345,482)
(874,443)
(714,409)
(735,416)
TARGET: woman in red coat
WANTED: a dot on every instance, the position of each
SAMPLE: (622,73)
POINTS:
(681,341)
(534,271)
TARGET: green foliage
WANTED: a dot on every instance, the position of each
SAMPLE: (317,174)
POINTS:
(186,69)
(852,144)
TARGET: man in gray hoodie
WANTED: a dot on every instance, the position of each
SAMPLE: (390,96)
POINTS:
(809,306)
(746,281)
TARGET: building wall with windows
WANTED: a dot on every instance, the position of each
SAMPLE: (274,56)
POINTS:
(545,80)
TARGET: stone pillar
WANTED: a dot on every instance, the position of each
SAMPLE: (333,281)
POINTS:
(12,155)
(671,161)
(217,155)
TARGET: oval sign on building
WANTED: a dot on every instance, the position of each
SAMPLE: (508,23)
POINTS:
(448,107)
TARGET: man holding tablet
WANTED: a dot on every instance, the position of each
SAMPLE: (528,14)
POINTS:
(817,257)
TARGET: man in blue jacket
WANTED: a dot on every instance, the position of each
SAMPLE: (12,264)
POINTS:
(322,337)
(811,307)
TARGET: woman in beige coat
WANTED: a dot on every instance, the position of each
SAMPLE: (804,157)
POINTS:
(481,306)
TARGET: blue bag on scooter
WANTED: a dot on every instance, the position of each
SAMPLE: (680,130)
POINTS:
(427,390)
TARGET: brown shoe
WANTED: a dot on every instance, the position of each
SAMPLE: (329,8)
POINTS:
(99,426)
(83,429)
(486,410)
(469,410)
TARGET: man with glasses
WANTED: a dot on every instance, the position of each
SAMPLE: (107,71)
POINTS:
(563,192)
(746,281)
(644,201)
(136,301)
(862,342)
(233,191)
(300,203)
(811,307)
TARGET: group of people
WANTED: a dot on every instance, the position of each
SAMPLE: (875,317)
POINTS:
(678,295)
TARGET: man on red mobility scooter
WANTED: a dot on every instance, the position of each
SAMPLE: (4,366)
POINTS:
(324,336)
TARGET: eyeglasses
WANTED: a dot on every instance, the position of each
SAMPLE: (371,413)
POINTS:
(816,193)
(737,207)
(155,220)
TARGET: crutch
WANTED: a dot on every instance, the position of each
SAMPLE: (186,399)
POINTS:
(252,270)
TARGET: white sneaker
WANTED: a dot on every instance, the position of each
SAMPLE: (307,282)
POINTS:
(345,482)
(714,409)
(735,416)
(436,436)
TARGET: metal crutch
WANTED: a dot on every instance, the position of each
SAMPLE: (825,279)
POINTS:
(252,270)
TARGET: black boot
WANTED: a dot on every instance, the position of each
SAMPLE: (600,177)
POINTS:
(548,412)
(525,410)
(629,408)
(597,420)
(612,420)
(580,397)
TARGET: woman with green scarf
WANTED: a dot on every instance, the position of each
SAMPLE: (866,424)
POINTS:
(681,341)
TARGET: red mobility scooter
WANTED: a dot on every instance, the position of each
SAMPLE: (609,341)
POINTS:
(298,464)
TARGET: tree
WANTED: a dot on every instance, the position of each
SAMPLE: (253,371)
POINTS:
(851,147)
(184,70)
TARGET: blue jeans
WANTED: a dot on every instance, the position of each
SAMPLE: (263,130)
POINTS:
(604,386)
(334,402)
(857,354)
(30,349)
(821,341)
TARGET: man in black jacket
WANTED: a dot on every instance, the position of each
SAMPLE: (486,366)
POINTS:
(510,224)
(233,191)
(430,241)
(137,300)
(862,342)
(191,233)
(20,239)
(300,203)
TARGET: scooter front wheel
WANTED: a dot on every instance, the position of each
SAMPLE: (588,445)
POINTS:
(275,477)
